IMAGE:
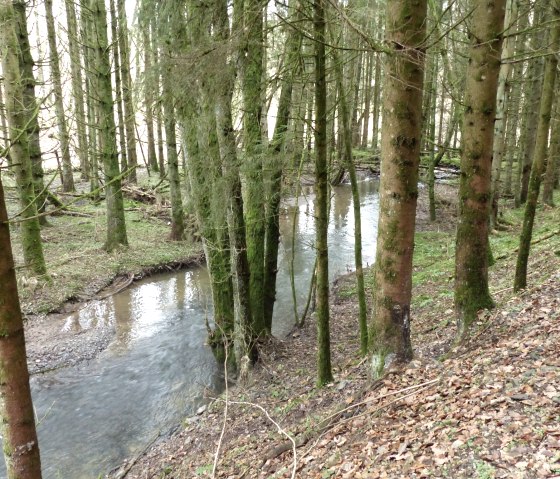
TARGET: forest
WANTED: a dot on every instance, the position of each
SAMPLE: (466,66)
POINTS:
(290,238)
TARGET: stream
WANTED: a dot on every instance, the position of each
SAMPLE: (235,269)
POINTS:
(157,368)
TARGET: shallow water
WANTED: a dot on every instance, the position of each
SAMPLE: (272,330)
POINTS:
(158,367)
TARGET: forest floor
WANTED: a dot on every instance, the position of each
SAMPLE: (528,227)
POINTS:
(488,407)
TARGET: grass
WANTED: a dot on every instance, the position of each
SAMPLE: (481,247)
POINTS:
(434,259)
(76,262)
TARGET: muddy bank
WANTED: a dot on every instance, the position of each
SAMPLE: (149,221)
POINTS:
(54,341)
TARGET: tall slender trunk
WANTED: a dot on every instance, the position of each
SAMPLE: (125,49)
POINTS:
(31,107)
(68,176)
(18,117)
(367,100)
(77,86)
(129,113)
(349,164)
(398,191)
(149,96)
(4,126)
(19,436)
(553,160)
(532,99)
(322,197)
(116,227)
(157,105)
(541,146)
(118,85)
(502,110)
(471,257)
(90,87)
(274,168)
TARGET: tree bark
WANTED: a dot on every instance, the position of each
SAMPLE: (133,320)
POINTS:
(77,87)
(68,176)
(471,256)
(322,197)
(398,190)
(31,107)
(19,436)
(552,161)
(129,113)
(18,118)
(541,146)
(116,227)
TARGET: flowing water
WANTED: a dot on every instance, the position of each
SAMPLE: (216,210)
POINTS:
(156,370)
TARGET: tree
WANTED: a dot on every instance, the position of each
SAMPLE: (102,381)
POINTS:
(77,86)
(67,177)
(116,227)
(129,116)
(19,437)
(30,106)
(18,117)
(471,256)
(541,147)
(398,190)
(322,196)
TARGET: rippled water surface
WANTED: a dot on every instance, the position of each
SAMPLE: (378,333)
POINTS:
(156,370)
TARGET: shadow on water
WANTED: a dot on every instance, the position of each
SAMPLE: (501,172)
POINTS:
(156,370)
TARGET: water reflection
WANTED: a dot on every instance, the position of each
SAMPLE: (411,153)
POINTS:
(155,371)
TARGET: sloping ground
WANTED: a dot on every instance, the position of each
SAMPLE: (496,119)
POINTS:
(490,409)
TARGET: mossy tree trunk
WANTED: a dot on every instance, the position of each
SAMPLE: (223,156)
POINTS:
(146,11)
(502,98)
(471,257)
(349,164)
(4,126)
(245,340)
(118,85)
(251,56)
(31,107)
(18,117)
(553,161)
(87,30)
(324,374)
(19,436)
(398,190)
(77,86)
(541,147)
(170,32)
(63,137)
(116,227)
(274,169)
(533,90)
(129,113)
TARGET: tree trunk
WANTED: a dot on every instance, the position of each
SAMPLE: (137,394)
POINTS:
(77,87)
(149,95)
(118,85)
(553,161)
(322,197)
(367,100)
(129,114)
(68,176)
(4,127)
(471,257)
(116,227)
(532,99)
(501,110)
(349,163)
(19,436)
(252,75)
(31,107)
(18,118)
(398,191)
(274,163)
(541,146)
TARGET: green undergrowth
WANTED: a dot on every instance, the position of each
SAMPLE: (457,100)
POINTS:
(78,265)
(434,260)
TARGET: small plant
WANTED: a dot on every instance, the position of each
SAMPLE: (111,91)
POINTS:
(484,470)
